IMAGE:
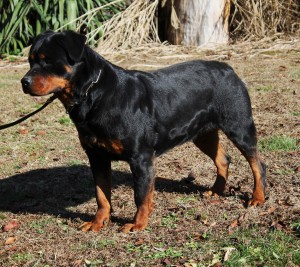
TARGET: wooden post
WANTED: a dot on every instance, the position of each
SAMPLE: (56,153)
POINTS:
(194,22)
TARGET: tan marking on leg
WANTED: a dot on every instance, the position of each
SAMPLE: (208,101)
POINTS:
(210,145)
(259,190)
(141,217)
(103,198)
(102,215)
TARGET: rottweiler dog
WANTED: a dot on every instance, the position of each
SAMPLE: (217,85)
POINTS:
(135,116)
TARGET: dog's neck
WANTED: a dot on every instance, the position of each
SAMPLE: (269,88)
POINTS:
(70,99)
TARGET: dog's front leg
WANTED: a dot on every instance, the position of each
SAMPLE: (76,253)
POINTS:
(101,169)
(143,174)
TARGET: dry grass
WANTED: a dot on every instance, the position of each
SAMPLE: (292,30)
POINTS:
(155,55)
(132,27)
(257,19)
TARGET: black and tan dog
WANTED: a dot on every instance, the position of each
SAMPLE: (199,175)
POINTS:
(134,116)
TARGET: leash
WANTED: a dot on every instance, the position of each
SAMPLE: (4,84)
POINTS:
(50,100)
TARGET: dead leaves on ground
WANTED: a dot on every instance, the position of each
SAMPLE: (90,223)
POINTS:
(8,227)
(10,240)
(247,219)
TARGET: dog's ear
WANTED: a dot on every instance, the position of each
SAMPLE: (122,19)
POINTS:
(73,43)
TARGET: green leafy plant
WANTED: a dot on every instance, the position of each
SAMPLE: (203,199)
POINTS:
(22,20)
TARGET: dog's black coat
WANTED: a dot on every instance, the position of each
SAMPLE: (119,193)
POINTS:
(134,115)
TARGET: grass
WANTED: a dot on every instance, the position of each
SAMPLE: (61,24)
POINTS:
(270,249)
(248,248)
(295,74)
(64,120)
(265,88)
(46,185)
(296,113)
(278,143)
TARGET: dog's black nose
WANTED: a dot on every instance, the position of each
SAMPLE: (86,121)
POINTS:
(26,82)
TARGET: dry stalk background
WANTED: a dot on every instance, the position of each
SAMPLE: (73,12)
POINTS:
(256,19)
(250,20)
(132,27)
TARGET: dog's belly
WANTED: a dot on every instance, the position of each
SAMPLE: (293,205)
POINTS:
(176,133)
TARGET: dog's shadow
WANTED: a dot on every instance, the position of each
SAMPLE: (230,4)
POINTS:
(54,190)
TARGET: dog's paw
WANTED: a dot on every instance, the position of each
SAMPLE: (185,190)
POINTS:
(131,227)
(212,193)
(93,226)
(255,202)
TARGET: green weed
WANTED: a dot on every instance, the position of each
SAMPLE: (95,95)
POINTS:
(75,163)
(22,257)
(296,228)
(102,244)
(169,220)
(64,120)
(265,88)
(40,227)
(272,249)
(296,113)
(170,252)
(278,143)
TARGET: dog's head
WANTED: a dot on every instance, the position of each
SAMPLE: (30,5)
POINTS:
(52,58)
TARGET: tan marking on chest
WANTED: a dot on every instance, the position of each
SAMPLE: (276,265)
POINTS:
(112,146)
(66,97)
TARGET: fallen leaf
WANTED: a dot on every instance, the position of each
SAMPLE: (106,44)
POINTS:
(77,263)
(166,262)
(213,224)
(191,263)
(10,226)
(13,248)
(40,132)
(205,221)
(228,253)
(10,240)
(23,131)
(278,225)
(234,224)
(217,264)
(139,242)
(215,202)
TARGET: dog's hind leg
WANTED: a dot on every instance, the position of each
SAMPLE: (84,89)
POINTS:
(209,143)
(243,135)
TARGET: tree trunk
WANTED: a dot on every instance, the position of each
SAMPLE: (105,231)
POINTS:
(194,22)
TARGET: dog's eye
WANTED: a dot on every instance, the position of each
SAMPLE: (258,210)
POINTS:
(47,60)
(43,59)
